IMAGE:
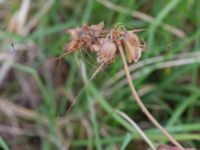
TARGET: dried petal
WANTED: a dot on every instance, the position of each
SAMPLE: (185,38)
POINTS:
(85,36)
(96,29)
(138,54)
(86,33)
(132,47)
(107,51)
(74,33)
(132,38)
(73,46)
(96,47)
(129,51)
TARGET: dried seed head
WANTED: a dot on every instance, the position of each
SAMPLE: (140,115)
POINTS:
(86,31)
(84,36)
(105,42)
(132,46)
(105,51)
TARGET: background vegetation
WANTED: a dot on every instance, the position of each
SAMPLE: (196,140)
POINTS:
(35,94)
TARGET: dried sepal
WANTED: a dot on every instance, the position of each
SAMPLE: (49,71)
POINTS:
(96,29)
(84,36)
(132,38)
(74,33)
(131,46)
(106,51)
(73,46)
(96,47)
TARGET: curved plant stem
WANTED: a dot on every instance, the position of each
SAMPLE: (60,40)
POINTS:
(141,104)
(98,69)
(132,122)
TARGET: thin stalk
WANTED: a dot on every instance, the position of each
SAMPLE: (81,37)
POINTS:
(132,122)
(141,104)
(98,69)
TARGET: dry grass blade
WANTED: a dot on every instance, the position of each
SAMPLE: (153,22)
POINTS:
(35,19)
(20,111)
(75,99)
(159,64)
(18,131)
(18,20)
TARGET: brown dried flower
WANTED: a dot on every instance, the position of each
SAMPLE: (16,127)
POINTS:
(84,36)
(96,29)
(104,42)
(106,51)
(74,33)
